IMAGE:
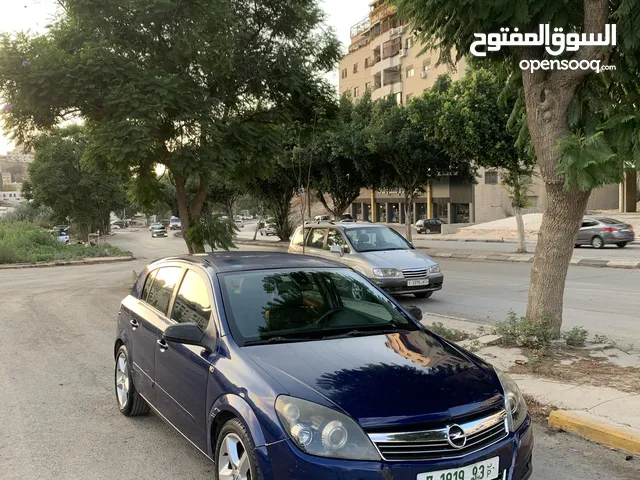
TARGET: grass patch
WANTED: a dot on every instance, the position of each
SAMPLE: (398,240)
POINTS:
(450,334)
(25,242)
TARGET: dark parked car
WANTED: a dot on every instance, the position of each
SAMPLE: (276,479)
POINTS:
(429,225)
(281,366)
(599,232)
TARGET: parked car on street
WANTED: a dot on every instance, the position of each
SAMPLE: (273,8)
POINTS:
(159,231)
(239,223)
(268,229)
(376,251)
(429,225)
(278,366)
(601,231)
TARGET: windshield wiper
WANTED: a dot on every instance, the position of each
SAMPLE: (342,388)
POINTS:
(374,331)
(278,339)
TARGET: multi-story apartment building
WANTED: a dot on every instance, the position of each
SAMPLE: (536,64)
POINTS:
(384,57)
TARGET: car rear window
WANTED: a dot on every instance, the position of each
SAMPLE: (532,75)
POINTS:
(611,221)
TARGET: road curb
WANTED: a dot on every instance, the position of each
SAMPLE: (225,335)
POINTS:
(262,243)
(597,430)
(528,258)
(59,263)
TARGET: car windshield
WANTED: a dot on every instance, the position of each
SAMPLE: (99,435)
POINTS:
(373,239)
(292,305)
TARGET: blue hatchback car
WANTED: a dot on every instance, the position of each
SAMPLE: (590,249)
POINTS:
(280,366)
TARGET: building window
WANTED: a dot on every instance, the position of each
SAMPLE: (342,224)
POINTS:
(409,42)
(410,71)
(491,178)
(368,62)
(344,73)
(426,63)
(356,92)
(367,86)
(355,68)
(398,97)
(408,97)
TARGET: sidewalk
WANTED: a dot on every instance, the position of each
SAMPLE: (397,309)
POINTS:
(609,262)
(600,413)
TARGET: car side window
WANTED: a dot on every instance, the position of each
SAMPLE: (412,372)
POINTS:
(162,288)
(298,237)
(316,238)
(193,303)
(335,237)
(147,285)
(589,223)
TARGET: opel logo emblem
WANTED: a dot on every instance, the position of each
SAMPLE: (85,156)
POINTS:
(456,437)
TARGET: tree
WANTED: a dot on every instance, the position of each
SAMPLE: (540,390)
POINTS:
(195,85)
(567,111)
(224,192)
(336,153)
(409,153)
(480,124)
(61,178)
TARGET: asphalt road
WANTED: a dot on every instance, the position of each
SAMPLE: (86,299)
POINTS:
(59,418)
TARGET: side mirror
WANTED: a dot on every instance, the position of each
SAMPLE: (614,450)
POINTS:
(336,249)
(187,333)
(414,311)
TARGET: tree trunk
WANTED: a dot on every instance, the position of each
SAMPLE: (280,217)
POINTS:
(323,201)
(547,97)
(183,210)
(547,119)
(408,203)
(522,241)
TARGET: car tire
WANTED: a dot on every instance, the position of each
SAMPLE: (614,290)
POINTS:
(235,436)
(261,233)
(621,244)
(577,245)
(423,294)
(597,242)
(133,404)
(428,231)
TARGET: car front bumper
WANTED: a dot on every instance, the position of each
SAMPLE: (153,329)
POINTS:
(398,286)
(284,460)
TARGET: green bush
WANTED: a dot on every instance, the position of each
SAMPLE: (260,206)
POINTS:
(450,334)
(523,332)
(25,242)
(576,337)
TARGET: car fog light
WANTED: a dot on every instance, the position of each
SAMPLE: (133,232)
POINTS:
(334,435)
(302,435)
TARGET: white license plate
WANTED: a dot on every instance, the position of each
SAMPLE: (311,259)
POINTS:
(417,283)
(485,470)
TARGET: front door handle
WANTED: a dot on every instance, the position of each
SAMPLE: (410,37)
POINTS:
(134,323)
(162,344)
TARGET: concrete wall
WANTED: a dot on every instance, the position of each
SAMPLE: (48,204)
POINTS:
(605,198)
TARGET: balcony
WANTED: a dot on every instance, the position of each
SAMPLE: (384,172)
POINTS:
(382,12)
(361,27)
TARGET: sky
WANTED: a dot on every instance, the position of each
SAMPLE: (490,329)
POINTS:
(34,15)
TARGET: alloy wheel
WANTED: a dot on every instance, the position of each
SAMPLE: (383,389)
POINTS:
(122,380)
(597,242)
(233,460)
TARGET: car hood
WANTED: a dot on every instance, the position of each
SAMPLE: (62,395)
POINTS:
(399,259)
(383,380)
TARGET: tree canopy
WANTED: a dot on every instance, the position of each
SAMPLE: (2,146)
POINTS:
(195,86)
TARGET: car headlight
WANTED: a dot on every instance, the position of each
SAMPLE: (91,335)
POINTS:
(514,401)
(321,431)
(435,268)
(386,272)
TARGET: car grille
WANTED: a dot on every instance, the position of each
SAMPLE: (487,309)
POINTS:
(415,272)
(433,444)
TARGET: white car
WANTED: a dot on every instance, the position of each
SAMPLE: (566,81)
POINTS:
(268,229)
(155,225)
(239,224)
